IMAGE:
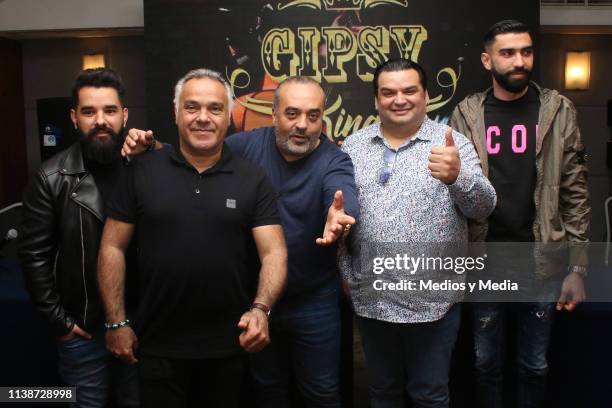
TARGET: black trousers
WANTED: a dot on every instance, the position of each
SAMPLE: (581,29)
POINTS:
(214,383)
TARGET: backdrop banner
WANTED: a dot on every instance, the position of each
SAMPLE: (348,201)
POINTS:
(256,44)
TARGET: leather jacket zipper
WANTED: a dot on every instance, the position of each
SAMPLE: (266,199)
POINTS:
(83,266)
(57,254)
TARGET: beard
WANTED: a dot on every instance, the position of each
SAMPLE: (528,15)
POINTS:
(287,146)
(101,151)
(514,85)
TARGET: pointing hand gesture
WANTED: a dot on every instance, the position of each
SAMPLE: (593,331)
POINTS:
(338,222)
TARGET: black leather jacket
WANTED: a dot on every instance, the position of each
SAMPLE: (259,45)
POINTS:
(61,231)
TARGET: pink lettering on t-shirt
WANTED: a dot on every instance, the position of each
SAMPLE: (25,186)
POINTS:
(519,131)
(491,131)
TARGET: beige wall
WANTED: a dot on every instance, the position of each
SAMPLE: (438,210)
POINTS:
(38,15)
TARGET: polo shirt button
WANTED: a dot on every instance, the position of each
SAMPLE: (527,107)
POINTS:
(197,190)
(74,194)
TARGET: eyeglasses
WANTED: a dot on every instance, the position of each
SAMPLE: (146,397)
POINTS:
(384,174)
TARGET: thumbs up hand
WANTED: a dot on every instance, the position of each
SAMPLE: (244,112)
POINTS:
(444,161)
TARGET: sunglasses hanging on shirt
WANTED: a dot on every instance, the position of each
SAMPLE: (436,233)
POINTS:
(385,172)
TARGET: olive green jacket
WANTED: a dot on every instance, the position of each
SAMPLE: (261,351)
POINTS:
(562,208)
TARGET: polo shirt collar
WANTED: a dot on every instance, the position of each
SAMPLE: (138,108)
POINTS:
(224,165)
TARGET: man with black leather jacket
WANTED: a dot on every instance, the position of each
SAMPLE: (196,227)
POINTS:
(62,227)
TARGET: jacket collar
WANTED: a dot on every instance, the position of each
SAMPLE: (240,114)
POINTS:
(85,192)
(474,104)
(73,162)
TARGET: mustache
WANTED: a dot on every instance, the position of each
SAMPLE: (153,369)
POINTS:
(518,71)
(98,129)
(300,133)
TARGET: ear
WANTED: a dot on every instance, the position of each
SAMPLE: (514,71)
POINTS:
(376,103)
(485,58)
(73,118)
(274,121)
(125,116)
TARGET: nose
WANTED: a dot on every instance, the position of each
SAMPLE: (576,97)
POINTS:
(301,122)
(519,61)
(400,98)
(203,116)
(100,119)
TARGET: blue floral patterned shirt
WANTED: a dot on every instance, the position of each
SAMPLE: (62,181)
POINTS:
(408,205)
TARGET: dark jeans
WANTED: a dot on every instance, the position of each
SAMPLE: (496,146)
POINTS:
(411,358)
(305,342)
(533,323)
(99,377)
(207,383)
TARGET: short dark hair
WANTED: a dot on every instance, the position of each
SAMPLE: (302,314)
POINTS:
(97,78)
(504,27)
(399,64)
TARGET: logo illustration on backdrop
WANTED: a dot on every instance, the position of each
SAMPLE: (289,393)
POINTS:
(341,52)
(341,5)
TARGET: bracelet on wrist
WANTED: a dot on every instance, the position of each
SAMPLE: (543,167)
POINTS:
(118,325)
(579,270)
(262,307)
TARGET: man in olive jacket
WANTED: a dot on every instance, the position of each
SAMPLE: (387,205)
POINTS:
(529,144)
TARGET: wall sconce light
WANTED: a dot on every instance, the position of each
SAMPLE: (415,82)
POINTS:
(93,61)
(577,70)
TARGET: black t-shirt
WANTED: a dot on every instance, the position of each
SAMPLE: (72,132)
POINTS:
(195,249)
(105,176)
(512,128)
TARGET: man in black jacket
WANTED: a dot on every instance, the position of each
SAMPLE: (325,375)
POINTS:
(62,227)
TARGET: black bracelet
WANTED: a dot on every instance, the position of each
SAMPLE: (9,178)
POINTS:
(115,326)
